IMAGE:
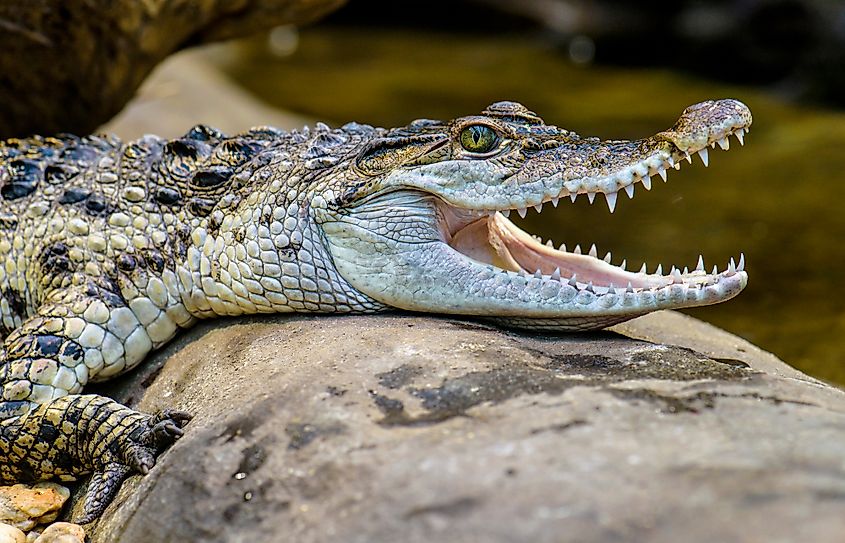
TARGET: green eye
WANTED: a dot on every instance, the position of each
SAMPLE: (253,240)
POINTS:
(479,138)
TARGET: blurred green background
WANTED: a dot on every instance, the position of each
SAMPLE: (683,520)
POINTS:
(778,198)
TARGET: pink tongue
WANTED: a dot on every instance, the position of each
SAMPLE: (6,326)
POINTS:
(519,248)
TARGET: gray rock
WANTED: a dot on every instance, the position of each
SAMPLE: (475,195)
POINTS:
(410,428)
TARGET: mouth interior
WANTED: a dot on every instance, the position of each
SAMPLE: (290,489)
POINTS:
(497,241)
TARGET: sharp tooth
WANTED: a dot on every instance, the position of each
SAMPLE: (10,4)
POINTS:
(538,208)
(731,267)
(556,274)
(689,158)
(629,189)
(522,212)
(550,244)
(562,247)
(591,196)
(611,288)
(573,196)
(538,274)
(670,161)
(577,249)
(662,173)
(704,157)
(724,143)
(741,265)
(607,257)
(630,288)
(700,266)
(573,281)
(554,202)
(506,213)
(677,165)
(739,135)
(590,287)
(643,269)
(611,201)
(593,252)
(624,263)
(676,275)
(659,270)
(686,270)
(713,144)
(647,180)
(715,270)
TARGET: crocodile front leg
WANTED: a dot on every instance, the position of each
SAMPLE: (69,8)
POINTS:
(48,430)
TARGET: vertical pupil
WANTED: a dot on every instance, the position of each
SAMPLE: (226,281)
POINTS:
(476,134)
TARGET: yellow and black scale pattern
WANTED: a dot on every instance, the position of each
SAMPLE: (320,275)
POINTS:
(107,249)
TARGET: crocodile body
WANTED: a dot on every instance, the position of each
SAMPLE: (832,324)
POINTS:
(107,249)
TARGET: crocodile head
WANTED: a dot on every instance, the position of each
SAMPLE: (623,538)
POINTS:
(421,220)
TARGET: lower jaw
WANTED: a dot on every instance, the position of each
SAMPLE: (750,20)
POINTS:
(496,241)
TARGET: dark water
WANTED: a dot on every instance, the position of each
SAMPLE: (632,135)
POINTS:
(778,198)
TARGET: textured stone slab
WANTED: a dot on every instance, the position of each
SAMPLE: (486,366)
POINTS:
(406,428)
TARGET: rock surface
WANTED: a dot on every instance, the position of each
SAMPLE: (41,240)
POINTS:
(409,428)
(70,66)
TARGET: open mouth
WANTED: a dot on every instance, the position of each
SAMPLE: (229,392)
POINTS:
(494,240)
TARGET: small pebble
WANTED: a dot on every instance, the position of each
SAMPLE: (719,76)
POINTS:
(10,534)
(62,532)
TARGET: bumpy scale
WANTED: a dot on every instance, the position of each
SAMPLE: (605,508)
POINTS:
(108,249)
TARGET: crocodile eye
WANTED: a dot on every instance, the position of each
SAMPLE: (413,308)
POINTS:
(479,138)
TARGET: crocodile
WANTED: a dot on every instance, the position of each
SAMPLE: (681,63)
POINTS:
(108,249)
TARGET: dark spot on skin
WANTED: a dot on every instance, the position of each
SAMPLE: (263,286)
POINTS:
(237,151)
(72,350)
(240,235)
(186,148)
(96,205)
(167,196)
(8,222)
(16,303)
(49,345)
(126,262)
(302,434)
(79,152)
(74,195)
(214,223)
(155,261)
(200,206)
(48,433)
(106,290)
(211,178)
(24,176)
(57,175)
(202,132)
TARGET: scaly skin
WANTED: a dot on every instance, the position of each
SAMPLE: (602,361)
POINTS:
(108,249)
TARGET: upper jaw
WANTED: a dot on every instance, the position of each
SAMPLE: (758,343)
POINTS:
(592,167)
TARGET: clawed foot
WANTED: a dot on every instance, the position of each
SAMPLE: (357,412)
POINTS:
(137,440)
